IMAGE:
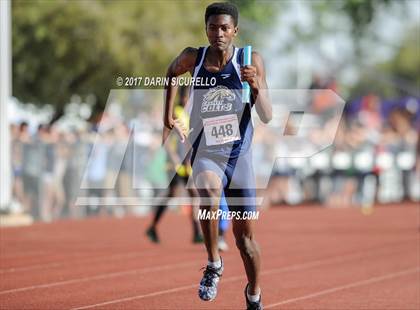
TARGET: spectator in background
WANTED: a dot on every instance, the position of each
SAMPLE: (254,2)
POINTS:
(417,167)
(400,122)
(316,82)
(344,184)
(77,156)
(370,115)
(33,163)
(324,100)
(60,166)
(113,165)
(118,175)
(96,173)
(404,142)
(48,183)
(16,145)
(278,188)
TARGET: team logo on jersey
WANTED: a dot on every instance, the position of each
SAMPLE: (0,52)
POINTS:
(218,99)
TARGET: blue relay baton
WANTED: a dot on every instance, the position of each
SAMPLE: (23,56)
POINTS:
(246,60)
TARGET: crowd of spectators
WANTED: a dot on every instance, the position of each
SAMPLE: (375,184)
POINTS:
(374,158)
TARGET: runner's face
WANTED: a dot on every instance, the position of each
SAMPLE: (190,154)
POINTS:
(221,30)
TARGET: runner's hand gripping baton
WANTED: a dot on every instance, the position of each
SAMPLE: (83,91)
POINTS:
(246,60)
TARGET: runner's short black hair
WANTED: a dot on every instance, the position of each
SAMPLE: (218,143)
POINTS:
(219,8)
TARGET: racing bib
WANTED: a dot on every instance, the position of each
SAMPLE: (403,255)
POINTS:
(221,129)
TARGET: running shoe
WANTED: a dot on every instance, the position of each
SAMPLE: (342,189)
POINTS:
(198,238)
(208,284)
(252,305)
(222,245)
(152,235)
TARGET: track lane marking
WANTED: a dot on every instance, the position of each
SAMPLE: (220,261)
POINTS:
(337,258)
(346,286)
(296,267)
(150,252)
(98,277)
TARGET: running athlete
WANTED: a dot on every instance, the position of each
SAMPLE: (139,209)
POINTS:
(220,132)
(179,169)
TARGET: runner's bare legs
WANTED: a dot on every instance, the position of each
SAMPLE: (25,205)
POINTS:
(250,252)
(210,187)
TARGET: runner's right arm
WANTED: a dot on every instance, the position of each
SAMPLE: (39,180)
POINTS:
(185,62)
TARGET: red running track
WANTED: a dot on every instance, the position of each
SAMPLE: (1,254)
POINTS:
(313,258)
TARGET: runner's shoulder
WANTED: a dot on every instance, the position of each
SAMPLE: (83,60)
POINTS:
(190,51)
(188,56)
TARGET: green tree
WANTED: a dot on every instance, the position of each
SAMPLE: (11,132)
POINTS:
(397,77)
(62,48)
(256,17)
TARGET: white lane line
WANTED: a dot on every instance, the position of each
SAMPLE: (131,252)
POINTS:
(23,254)
(340,258)
(317,263)
(145,252)
(347,286)
(169,291)
(82,260)
(98,277)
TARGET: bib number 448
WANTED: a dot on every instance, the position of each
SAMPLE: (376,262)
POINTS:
(223,131)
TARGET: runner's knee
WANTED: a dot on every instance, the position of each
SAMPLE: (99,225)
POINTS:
(209,188)
(246,245)
(210,197)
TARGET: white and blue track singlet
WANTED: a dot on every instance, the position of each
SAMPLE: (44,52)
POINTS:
(221,124)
